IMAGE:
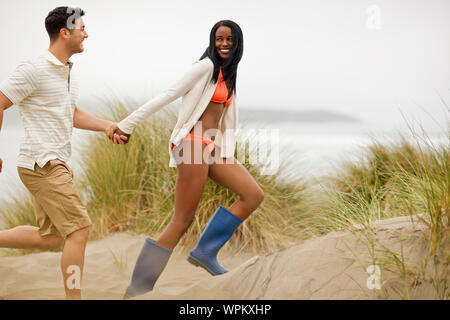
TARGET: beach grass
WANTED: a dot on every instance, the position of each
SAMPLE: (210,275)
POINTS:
(400,178)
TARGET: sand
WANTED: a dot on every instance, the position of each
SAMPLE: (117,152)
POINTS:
(333,266)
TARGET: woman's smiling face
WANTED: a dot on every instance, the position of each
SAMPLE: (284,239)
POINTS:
(224,41)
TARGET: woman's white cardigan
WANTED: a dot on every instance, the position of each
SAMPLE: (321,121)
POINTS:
(197,89)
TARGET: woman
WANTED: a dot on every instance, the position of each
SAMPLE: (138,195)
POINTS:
(202,145)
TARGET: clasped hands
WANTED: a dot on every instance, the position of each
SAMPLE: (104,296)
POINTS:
(116,135)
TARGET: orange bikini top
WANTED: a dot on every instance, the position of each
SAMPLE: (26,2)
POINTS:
(221,93)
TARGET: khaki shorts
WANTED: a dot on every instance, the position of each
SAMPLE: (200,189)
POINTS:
(57,204)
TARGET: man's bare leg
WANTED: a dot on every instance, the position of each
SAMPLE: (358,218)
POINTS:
(28,237)
(72,262)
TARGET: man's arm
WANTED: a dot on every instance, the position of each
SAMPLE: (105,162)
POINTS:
(86,121)
(5,103)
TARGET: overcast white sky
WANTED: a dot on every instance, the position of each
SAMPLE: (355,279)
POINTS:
(298,54)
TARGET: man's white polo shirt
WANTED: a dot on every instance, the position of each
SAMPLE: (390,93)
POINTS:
(46,98)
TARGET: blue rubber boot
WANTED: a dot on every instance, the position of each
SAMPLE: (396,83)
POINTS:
(149,265)
(218,231)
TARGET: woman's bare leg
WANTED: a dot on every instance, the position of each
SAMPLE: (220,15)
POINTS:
(191,180)
(231,175)
(234,176)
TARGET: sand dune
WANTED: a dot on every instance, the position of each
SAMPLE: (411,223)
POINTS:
(328,267)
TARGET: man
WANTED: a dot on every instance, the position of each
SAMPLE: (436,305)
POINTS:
(46,97)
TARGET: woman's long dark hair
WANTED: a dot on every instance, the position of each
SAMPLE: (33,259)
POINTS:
(229,66)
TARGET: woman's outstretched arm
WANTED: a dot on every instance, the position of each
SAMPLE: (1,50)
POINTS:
(178,89)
